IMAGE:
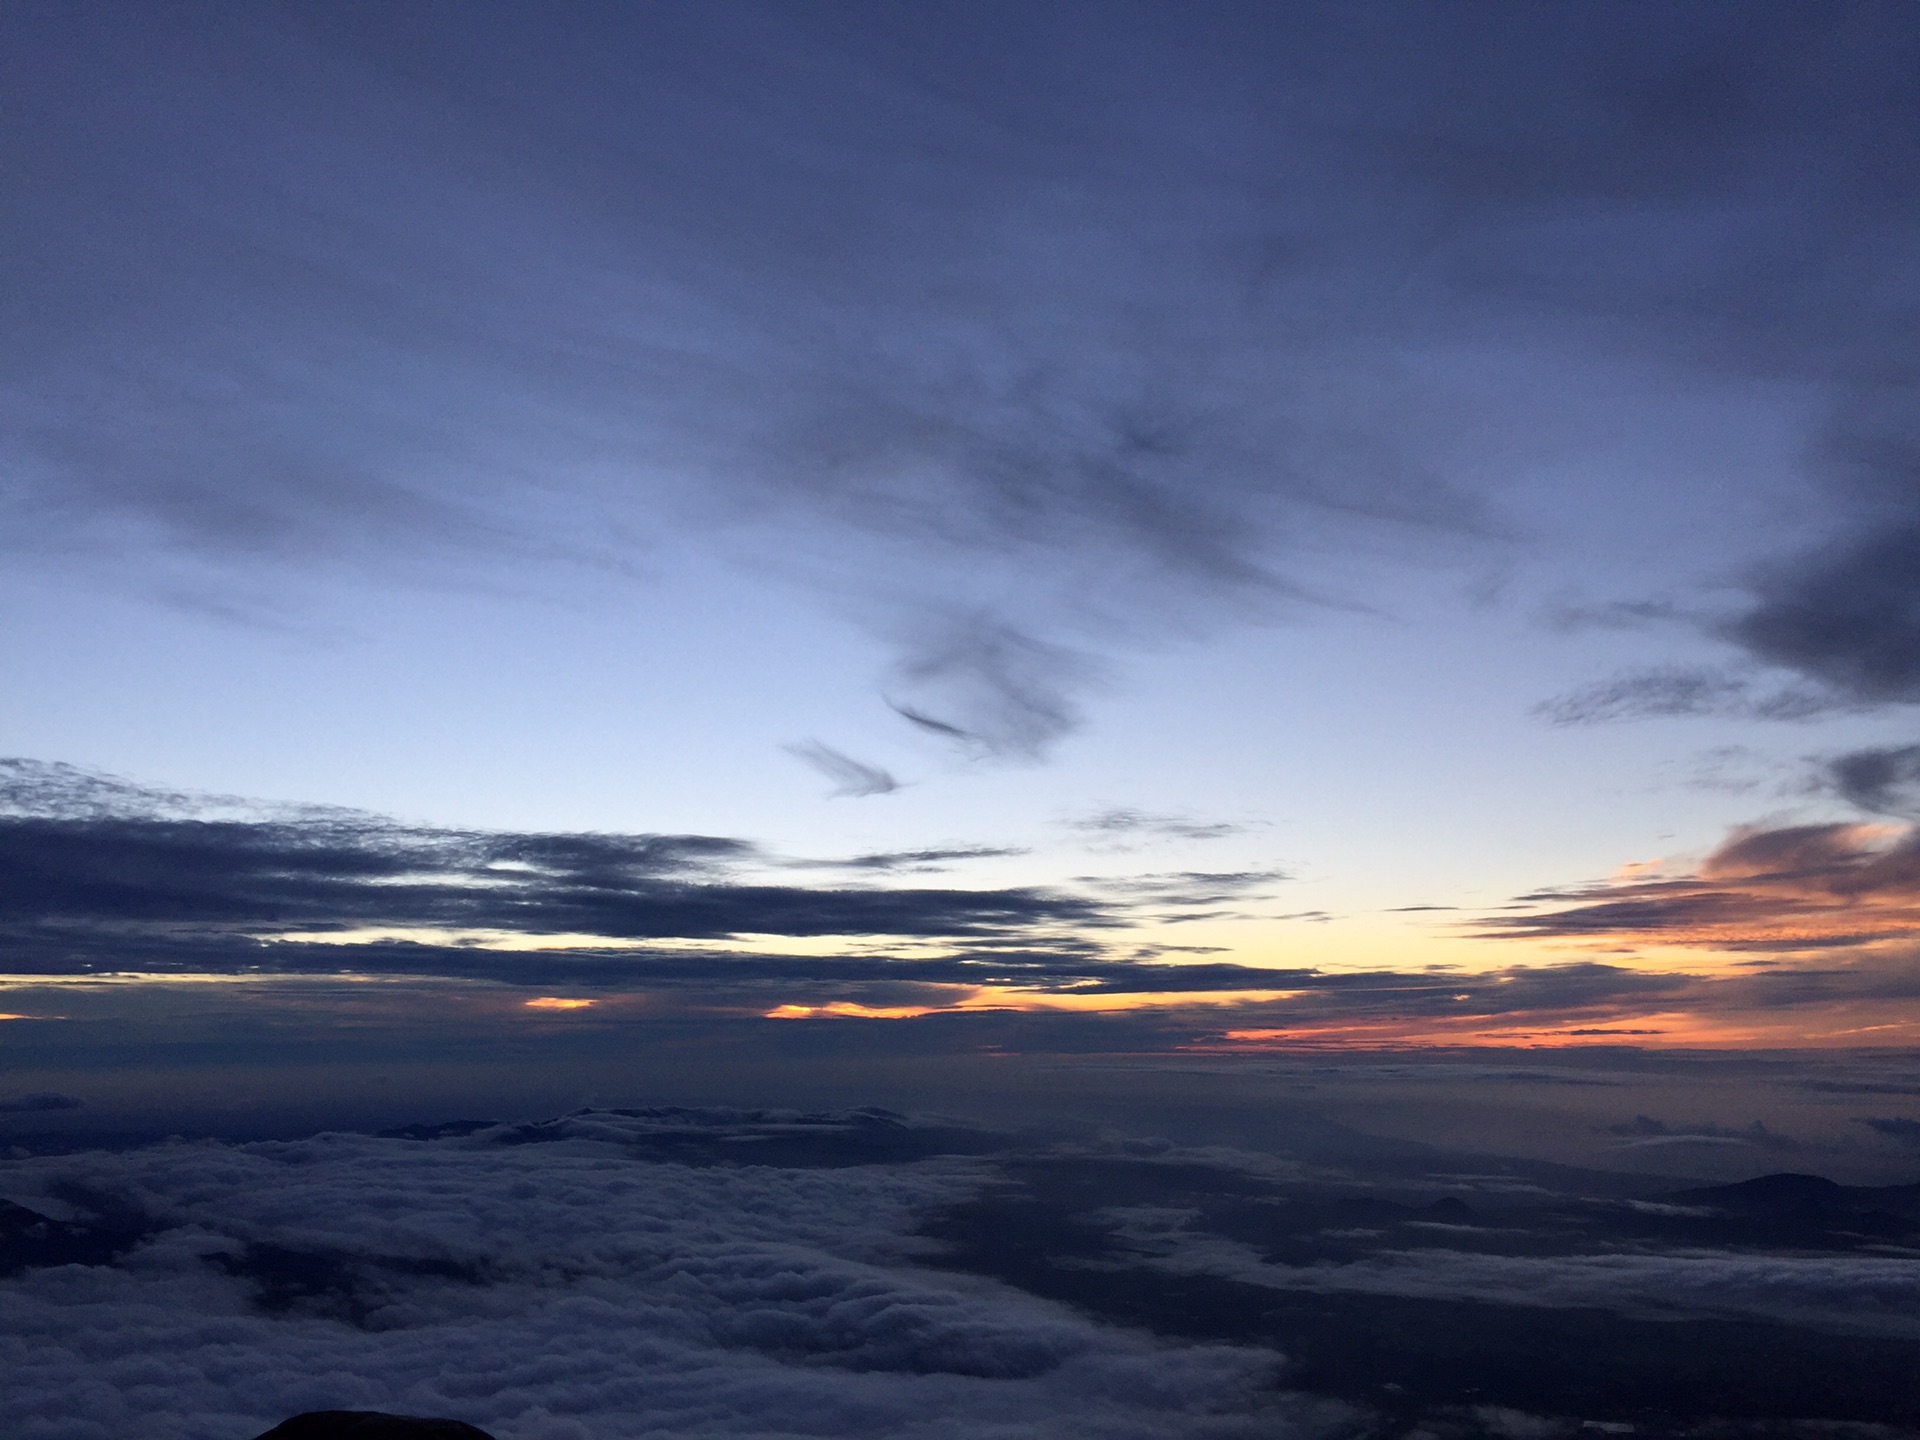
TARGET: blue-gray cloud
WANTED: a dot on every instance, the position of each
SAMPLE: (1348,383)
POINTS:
(108,875)
(851,778)
(1885,780)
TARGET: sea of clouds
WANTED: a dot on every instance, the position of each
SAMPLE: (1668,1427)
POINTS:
(565,1290)
(611,1275)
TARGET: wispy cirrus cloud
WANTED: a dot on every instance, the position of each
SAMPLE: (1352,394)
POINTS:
(854,779)
(1678,691)
(1123,827)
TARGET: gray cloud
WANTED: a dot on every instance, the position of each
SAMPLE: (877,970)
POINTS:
(983,685)
(1121,825)
(934,858)
(1685,691)
(124,866)
(1885,780)
(850,777)
(1895,1127)
(1846,616)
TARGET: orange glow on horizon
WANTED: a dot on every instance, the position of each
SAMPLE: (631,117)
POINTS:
(1827,1027)
(560,1002)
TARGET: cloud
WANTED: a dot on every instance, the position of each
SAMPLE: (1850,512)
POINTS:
(38,1101)
(1476,1287)
(657,927)
(933,858)
(1121,826)
(1813,1291)
(850,777)
(779,1272)
(1847,616)
(1644,1130)
(1683,691)
(994,691)
(678,931)
(583,1287)
(1796,888)
(107,875)
(1191,887)
(1896,1127)
(1885,781)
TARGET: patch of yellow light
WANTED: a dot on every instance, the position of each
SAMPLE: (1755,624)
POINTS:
(848,1010)
(16,1017)
(997,997)
(994,998)
(560,1002)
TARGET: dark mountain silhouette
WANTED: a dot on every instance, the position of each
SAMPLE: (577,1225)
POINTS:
(370,1425)
(1806,1212)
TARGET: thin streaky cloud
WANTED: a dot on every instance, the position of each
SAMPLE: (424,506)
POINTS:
(855,779)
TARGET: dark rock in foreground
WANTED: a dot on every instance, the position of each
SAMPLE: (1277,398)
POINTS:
(369,1425)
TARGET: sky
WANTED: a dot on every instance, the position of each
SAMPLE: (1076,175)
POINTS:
(955,530)
(907,720)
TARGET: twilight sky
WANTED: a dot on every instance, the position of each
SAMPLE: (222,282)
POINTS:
(957,529)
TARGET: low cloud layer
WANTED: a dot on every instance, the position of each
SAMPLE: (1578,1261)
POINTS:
(567,1290)
(860,1273)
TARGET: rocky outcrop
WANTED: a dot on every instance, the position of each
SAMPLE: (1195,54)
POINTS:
(370,1425)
